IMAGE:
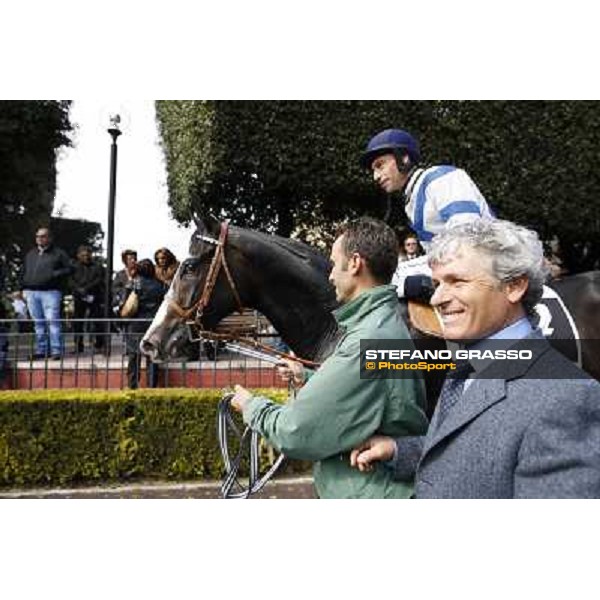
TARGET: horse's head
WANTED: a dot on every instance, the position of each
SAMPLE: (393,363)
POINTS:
(228,269)
(202,291)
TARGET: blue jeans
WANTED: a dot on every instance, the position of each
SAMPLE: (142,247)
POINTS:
(44,308)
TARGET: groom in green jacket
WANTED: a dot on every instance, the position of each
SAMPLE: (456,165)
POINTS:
(336,409)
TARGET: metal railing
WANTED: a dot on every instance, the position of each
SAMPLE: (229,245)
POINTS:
(104,354)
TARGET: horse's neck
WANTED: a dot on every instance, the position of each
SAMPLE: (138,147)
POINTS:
(297,299)
(309,330)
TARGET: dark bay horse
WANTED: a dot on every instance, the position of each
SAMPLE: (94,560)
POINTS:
(283,279)
(581,295)
(287,281)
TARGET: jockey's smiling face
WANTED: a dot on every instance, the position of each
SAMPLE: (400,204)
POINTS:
(471,302)
(386,173)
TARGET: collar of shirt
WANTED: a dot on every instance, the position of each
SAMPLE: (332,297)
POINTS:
(515,331)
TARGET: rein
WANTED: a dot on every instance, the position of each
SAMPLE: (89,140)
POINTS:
(231,486)
(225,423)
(253,343)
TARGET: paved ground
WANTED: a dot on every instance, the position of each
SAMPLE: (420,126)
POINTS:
(298,487)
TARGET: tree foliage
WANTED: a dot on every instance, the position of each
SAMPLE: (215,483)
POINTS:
(536,162)
(31,133)
(285,165)
(274,165)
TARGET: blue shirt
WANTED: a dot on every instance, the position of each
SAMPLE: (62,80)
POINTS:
(515,331)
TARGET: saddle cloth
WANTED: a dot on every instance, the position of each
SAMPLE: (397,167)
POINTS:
(558,325)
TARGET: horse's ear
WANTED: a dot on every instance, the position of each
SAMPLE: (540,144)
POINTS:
(212,226)
(208,224)
(198,221)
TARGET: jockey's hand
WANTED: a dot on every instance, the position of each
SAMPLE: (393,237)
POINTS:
(242,395)
(291,370)
(376,448)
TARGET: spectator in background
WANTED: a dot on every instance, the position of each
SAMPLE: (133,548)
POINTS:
(123,277)
(554,261)
(150,295)
(556,269)
(166,266)
(87,284)
(21,314)
(43,277)
(411,248)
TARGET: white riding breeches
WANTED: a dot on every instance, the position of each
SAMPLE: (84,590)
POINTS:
(406,268)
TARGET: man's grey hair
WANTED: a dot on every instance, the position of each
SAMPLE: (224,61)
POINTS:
(515,252)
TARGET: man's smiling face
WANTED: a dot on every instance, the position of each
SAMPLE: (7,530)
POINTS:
(472,303)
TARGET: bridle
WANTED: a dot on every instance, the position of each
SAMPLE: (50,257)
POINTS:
(192,315)
(218,260)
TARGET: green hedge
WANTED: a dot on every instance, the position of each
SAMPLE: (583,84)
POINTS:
(57,437)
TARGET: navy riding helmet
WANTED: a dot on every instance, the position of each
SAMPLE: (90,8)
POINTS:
(394,141)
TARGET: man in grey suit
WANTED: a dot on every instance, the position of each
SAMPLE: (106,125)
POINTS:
(532,431)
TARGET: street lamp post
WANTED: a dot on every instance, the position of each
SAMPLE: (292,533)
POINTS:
(115,132)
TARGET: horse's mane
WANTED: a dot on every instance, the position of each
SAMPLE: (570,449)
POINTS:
(289,256)
(290,246)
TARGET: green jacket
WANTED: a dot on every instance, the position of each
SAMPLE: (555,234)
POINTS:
(336,409)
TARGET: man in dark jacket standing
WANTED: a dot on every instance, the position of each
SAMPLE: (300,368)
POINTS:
(45,269)
(88,290)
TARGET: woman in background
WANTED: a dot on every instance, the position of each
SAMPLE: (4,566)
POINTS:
(166,266)
(150,296)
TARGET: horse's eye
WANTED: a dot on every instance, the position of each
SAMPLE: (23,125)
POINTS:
(188,267)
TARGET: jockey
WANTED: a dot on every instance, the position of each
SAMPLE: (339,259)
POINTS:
(434,197)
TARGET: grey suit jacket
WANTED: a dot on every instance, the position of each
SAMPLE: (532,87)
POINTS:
(522,436)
